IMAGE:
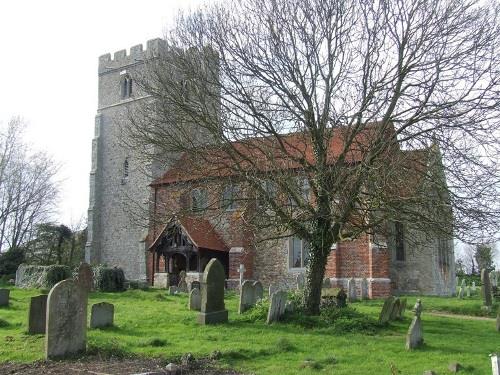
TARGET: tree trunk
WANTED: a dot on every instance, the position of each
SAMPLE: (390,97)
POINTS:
(314,278)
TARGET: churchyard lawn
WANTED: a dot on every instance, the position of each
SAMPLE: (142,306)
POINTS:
(151,323)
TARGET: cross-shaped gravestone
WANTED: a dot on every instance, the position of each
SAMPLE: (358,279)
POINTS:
(242,273)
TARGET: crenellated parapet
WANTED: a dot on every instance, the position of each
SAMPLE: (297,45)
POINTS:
(137,54)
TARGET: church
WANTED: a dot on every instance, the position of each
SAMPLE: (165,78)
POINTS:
(212,222)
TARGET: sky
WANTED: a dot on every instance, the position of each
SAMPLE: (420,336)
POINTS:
(48,64)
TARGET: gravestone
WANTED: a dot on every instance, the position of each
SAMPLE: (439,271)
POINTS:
(300,279)
(460,293)
(4,297)
(351,289)
(258,290)
(327,283)
(241,271)
(182,285)
(463,285)
(85,277)
(195,299)
(395,309)
(495,364)
(195,285)
(474,287)
(498,320)
(37,314)
(385,313)
(364,289)
(161,280)
(102,315)
(486,288)
(212,294)
(277,306)
(273,289)
(247,296)
(415,338)
(341,298)
(66,328)
(494,279)
(468,290)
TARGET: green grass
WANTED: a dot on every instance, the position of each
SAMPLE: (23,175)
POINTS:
(149,325)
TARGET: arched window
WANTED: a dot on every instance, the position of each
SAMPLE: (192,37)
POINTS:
(229,197)
(125,168)
(199,200)
(125,86)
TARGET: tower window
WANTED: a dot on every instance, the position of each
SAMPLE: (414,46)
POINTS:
(125,86)
(400,241)
(125,168)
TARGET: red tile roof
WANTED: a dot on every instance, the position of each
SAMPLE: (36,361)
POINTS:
(265,154)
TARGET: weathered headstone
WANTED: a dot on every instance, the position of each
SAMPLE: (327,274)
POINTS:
(385,313)
(351,289)
(415,338)
(66,328)
(85,277)
(277,306)
(37,314)
(473,287)
(102,315)
(195,285)
(464,284)
(364,289)
(258,290)
(486,288)
(273,289)
(468,291)
(182,285)
(4,297)
(460,293)
(498,320)
(241,271)
(195,299)
(212,294)
(327,283)
(300,279)
(247,296)
(161,280)
(493,279)
(495,364)
(395,309)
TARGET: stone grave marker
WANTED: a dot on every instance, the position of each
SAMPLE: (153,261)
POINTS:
(385,313)
(212,294)
(277,306)
(415,337)
(395,309)
(468,291)
(460,293)
(495,364)
(341,298)
(494,279)
(273,289)
(258,290)
(241,271)
(102,315)
(182,285)
(486,288)
(351,289)
(464,284)
(300,279)
(327,283)
(161,280)
(195,299)
(4,297)
(85,277)
(364,289)
(195,285)
(37,314)
(474,287)
(247,296)
(66,327)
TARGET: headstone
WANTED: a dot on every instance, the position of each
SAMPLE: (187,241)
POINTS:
(473,287)
(395,309)
(195,285)
(258,290)
(66,328)
(212,294)
(85,277)
(463,285)
(300,279)
(385,313)
(247,296)
(327,283)
(241,271)
(351,289)
(341,298)
(468,290)
(486,288)
(173,290)
(495,364)
(182,285)
(195,299)
(277,306)
(493,279)
(161,280)
(364,289)
(460,293)
(273,289)
(4,297)
(37,314)
(102,315)
(414,337)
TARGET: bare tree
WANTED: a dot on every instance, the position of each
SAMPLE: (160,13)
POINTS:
(386,110)
(28,189)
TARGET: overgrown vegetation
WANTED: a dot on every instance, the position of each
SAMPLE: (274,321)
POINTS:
(109,279)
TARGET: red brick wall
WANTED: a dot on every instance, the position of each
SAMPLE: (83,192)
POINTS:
(350,259)
(245,257)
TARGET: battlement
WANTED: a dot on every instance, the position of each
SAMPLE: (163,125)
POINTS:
(137,54)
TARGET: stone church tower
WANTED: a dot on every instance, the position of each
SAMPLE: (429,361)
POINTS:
(118,179)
